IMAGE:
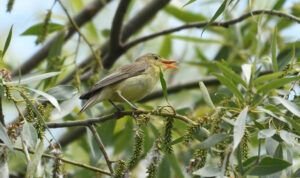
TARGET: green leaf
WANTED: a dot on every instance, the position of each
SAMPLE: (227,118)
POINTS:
(182,15)
(5,138)
(163,85)
(265,166)
(231,74)
(273,48)
(50,98)
(219,11)
(38,28)
(206,95)
(7,42)
(34,78)
(166,47)
(268,77)
(279,152)
(34,162)
(175,165)
(213,140)
(292,107)
(276,84)
(196,40)
(208,171)
(29,134)
(189,2)
(288,137)
(239,127)
(266,133)
(56,47)
(63,92)
(231,86)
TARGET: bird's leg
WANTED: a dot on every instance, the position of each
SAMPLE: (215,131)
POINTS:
(133,106)
(115,106)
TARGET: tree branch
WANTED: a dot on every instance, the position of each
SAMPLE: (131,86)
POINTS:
(66,161)
(116,28)
(118,115)
(80,19)
(101,147)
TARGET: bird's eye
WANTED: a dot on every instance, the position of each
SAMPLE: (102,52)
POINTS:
(156,57)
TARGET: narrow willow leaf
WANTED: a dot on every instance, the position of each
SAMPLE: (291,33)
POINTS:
(273,48)
(231,86)
(213,140)
(239,127)
(219,11)
(205,95)
(33,164)
(29,134)
(266,133)
(50,98)
(35,78)
(292,107)
(37,28)
(189,2)
(231,74)
(247,73)
(166,47)
(163,85)
(4,137)
(63,92)
(184,15)
(208,171)
(276,84)
(268,77)
(288,137)
(266,166)
(7,42)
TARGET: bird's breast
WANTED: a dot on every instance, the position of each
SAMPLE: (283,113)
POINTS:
(135,88)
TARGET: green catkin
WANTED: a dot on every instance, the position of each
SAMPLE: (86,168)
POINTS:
(191,131)
(120,169)
(138,149)
(58,164)
(200,155)
(245,146)
(168,136)
(155,159)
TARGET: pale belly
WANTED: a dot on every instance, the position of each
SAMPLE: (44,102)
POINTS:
(132,89)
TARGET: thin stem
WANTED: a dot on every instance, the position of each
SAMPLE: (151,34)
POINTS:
(101,147)
(73,23)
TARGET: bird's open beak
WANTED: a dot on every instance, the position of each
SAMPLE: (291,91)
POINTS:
(169,64)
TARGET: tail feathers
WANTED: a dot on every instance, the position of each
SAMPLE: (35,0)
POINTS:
(90,102)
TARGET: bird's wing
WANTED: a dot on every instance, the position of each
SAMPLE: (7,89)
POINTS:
(122,73)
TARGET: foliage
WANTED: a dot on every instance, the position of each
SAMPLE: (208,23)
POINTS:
(231,109)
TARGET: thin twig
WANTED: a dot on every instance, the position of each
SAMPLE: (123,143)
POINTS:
(1,113)
(118,115)
(101,147)
(66,161)
(73,23)
(225,24)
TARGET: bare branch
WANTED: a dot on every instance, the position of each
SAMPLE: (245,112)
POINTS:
(116,28)
(80,19)
(114,116)
(101,147)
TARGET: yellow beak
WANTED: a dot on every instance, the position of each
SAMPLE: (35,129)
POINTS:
(169,64)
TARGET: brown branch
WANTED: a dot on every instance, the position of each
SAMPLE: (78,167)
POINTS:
(115,116)
(85,166)
(116,29)
(80,19)
(225,24)
(101,147)
(1,113)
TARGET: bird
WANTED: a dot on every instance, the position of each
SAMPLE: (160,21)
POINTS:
(128,83)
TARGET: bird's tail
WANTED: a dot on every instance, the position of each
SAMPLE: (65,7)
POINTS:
(90,102)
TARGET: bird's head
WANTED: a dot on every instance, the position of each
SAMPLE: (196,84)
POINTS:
(154,59)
